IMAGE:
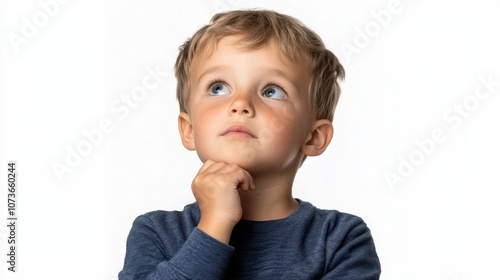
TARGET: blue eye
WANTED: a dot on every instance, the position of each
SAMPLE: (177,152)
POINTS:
(219,89)
(274,92)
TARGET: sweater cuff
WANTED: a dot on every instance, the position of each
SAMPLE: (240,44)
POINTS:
(203,257)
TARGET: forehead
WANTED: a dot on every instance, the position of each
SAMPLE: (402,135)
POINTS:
(232,50)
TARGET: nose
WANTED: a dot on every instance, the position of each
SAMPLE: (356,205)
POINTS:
(241,105)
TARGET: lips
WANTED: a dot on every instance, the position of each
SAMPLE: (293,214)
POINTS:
(239,131)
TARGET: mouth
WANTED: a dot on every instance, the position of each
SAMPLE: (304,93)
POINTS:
(239,131)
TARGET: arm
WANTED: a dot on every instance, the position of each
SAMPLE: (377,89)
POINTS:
(206,253)
(356,257)
(200,257)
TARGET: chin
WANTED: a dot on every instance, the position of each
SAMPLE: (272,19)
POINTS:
(241,162)
(242,156)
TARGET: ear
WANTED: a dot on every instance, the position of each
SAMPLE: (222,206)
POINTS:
(319,138)
(186,131)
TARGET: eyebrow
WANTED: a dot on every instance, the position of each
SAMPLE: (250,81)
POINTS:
(268,71)
(277,72)
(211,70)
(282,74)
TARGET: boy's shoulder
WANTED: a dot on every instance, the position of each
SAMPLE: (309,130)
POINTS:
(189,210)
(330,219)
(170,220)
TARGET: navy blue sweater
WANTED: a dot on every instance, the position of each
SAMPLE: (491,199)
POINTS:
(309,244)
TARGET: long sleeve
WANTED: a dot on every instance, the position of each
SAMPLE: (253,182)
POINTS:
(149,257)
(355,257)
(308,244)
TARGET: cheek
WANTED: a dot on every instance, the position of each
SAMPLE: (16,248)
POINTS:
(276,124)
(284,122)
(283,133)
(204,128)
(202,145)
(279,119)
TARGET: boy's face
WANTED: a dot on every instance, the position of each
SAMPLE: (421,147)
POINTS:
(248,107)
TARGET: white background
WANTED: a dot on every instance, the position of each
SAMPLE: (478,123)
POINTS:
(405,79)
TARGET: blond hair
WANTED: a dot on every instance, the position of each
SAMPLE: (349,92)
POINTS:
(255,29)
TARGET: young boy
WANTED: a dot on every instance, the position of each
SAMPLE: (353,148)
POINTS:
(257,92)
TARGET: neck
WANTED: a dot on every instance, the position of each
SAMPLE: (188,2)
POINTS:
(272,198)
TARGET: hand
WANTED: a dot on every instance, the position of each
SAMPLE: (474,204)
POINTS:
(216,188)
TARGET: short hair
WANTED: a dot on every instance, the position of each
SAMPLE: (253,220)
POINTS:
(255,29)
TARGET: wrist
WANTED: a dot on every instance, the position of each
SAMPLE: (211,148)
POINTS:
(217,229)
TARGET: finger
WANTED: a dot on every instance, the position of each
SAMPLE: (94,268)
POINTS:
(206,165)
(244,180)
(215,167)
(230,168)
(236,176)
(211,166)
